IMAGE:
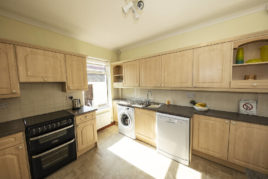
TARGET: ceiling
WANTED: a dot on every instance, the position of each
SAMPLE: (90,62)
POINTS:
(102,23)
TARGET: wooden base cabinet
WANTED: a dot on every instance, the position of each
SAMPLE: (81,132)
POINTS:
(13,160)
(145,125)
(86,133)
(9,83)
(248,145)
(210,136)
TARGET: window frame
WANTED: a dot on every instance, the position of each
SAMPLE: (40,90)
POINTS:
(107,73)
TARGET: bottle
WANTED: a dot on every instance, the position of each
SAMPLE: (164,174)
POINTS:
(240,56)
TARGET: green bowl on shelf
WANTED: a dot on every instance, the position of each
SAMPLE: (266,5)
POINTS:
(254,61)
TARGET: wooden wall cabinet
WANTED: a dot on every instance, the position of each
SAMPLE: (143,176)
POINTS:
(177,69)
(131,74)
(36,65)
(248,145)
(76,69)
(211,135)
(150,72)
(145,125)
(9,83)
(86,132)
(13,158)
(212,66)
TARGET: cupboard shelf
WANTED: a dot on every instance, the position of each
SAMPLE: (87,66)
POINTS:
(250,64)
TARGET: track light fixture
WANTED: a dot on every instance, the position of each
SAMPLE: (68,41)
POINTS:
(133,6)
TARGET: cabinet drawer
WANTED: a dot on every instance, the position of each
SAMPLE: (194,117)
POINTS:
(255,84)
(11,140)
(85,117)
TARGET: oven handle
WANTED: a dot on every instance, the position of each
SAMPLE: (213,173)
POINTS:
(53,132)
(56,148)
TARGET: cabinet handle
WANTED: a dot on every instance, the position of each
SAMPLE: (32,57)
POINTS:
(227,122)
(254,84)
(20,147)
(233,122)
(14,91)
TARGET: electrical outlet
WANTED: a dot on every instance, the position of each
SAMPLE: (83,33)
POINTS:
(3,106)
(190,95)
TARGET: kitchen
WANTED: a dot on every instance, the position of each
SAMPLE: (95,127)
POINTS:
(187,99)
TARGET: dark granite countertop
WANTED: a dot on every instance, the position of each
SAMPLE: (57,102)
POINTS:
(82,110)
(186,111)
(11,127)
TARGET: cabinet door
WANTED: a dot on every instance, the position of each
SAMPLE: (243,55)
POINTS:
(211,135)
(36,65)
(248,145)
(14,163)
(145,125)
(115,112)
(9,85)
(76,73)
(86,135)
(177,69)
(212,66)
(150,72)
(131,74)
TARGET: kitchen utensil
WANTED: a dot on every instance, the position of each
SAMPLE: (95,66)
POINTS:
(240,56)
(250,77)
(76,104)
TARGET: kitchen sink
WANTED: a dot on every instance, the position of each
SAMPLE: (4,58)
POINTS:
(155,106)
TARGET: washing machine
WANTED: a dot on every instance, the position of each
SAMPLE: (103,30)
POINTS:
(126,121)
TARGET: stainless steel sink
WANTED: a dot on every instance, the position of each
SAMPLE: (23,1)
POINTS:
(154,106)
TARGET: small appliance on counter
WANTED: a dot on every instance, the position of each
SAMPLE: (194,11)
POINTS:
(76,103)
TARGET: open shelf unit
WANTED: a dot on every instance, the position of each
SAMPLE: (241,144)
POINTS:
(260,69)
(117,76)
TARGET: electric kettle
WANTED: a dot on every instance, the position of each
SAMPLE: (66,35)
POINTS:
(76,104)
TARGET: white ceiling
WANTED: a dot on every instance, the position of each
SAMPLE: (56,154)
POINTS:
(101,22)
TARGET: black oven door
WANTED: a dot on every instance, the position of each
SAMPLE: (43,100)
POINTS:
(47,162)
(50,140)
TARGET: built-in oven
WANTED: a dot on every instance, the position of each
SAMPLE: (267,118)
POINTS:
(53,159)
(50,142)
(51,139)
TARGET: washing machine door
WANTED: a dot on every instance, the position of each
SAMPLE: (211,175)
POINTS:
(125,120)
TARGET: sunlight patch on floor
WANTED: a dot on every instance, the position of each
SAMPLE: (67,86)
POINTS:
(187,173)
(142,157)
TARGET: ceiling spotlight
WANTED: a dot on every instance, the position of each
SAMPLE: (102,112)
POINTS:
(127,7)
(139,5)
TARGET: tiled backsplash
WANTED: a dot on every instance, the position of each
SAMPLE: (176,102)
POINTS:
(216,100)
(35,99)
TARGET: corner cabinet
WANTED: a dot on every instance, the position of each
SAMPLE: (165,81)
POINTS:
(131,74)
(212,66)
(86,132)
(9,83)
(35,65)
(248,145)
(13,158)
(211,135)
(177,69)
(76,69)
(145,125)
(150,72)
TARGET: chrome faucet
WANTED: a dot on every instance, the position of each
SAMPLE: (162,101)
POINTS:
(147,102)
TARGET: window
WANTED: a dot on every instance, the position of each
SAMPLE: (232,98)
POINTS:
(97,94)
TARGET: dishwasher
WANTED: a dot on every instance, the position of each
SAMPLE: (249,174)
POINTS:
(173,137)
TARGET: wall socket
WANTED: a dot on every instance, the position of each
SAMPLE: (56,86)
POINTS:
(190,95)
